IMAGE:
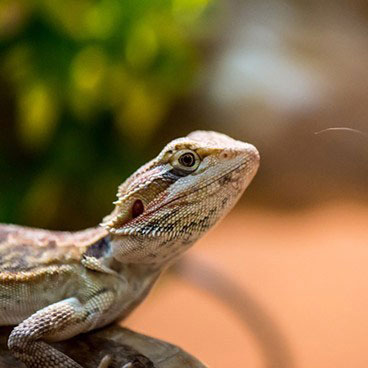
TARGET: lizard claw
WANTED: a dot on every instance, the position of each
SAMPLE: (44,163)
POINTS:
(105,362)
(137,363)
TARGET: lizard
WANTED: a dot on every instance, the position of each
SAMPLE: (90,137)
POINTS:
(57,284)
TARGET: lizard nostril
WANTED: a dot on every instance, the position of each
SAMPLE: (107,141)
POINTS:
(137,208)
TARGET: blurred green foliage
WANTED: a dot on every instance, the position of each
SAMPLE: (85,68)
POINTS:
(83,86)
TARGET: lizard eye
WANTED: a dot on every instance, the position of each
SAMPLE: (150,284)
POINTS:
(137,208)
(186,161)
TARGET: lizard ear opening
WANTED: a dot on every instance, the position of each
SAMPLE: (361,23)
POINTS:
(137,208)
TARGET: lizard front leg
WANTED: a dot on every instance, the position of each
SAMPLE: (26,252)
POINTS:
(56,322)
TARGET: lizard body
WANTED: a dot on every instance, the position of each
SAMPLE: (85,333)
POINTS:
(55,285)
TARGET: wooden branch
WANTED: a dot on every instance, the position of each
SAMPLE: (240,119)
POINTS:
(123,345)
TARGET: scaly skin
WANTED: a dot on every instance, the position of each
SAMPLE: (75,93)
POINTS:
(55,285)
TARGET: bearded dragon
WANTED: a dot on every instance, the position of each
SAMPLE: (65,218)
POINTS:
(55,285)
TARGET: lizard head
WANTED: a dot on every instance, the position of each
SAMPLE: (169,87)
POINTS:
(167,204)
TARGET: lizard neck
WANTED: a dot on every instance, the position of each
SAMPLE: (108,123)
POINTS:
(156,253)
(143,270)
(99,256)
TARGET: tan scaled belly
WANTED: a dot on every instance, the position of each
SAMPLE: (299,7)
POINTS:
(23,293)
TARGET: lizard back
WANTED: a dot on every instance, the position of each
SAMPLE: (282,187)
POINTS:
(39,267)
(25,250)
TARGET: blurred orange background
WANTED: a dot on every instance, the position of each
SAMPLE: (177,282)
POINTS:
(305,278)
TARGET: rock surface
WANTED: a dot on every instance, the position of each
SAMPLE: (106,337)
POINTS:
(123,345)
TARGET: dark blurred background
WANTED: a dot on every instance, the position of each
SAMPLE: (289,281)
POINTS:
(91,89)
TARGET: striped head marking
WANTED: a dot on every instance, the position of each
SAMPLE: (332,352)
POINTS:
(171,201)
